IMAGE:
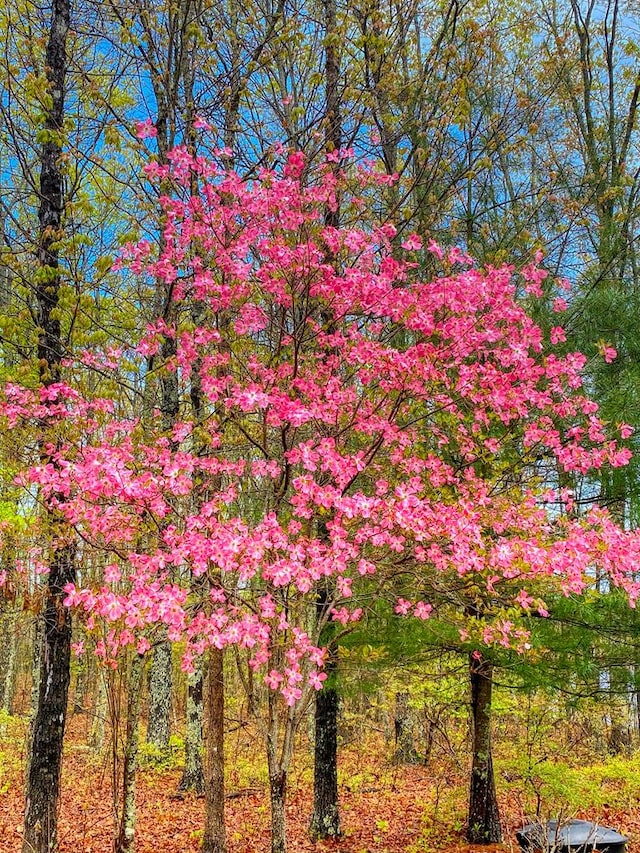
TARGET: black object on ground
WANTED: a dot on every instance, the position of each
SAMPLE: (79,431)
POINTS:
(571,836)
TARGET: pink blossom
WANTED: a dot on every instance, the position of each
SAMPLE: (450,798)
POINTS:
(412,243)
(316,679)
(422,610)
(143,645)
(273,679)
(145,129)
(200,124)
(329,452)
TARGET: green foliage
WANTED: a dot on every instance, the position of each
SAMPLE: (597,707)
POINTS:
(152,757)
(553,787)
(248,772)
(12,732)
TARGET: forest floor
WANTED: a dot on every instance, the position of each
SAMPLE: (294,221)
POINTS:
(384,808)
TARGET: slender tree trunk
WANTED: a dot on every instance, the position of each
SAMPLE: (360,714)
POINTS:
(43,780)
(193,777)
(159,728)
(193,773)
(79,694)
(125,842)
(10,621)
(325,818)
(214,840)
(38,629)
(405,752)
(484,818)
(277,789)
(9,611)
(280,734)
(278,798)
(100,708)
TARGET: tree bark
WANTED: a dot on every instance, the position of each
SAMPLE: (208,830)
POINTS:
(159,728)
(405,752)
(325,818)
(82,677)
(484,818)
(43,779)
(278,797)
(38,629)
(10,641)
(100,708)
(214,840)
(193,773)
(126,839)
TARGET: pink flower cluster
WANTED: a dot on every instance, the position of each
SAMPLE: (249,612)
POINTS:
(360,422)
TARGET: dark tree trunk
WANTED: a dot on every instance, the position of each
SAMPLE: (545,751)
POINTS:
(43,781)
(278,798)
(484,818)
(43,778)
(214,840)
(325,818)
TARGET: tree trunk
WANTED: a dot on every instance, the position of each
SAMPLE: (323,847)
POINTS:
(43,781)
(193,773)
(405,752)
(278,798)
(126,839)
(100,708)
(38,631)
(325,818)
(10,622)
(278,758)
(159,728)
(82,677)
(214,840)
(484,819)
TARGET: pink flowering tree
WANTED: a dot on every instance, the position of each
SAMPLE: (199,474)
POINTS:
(360,423)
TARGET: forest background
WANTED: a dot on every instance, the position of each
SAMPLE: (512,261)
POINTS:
(498,130)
